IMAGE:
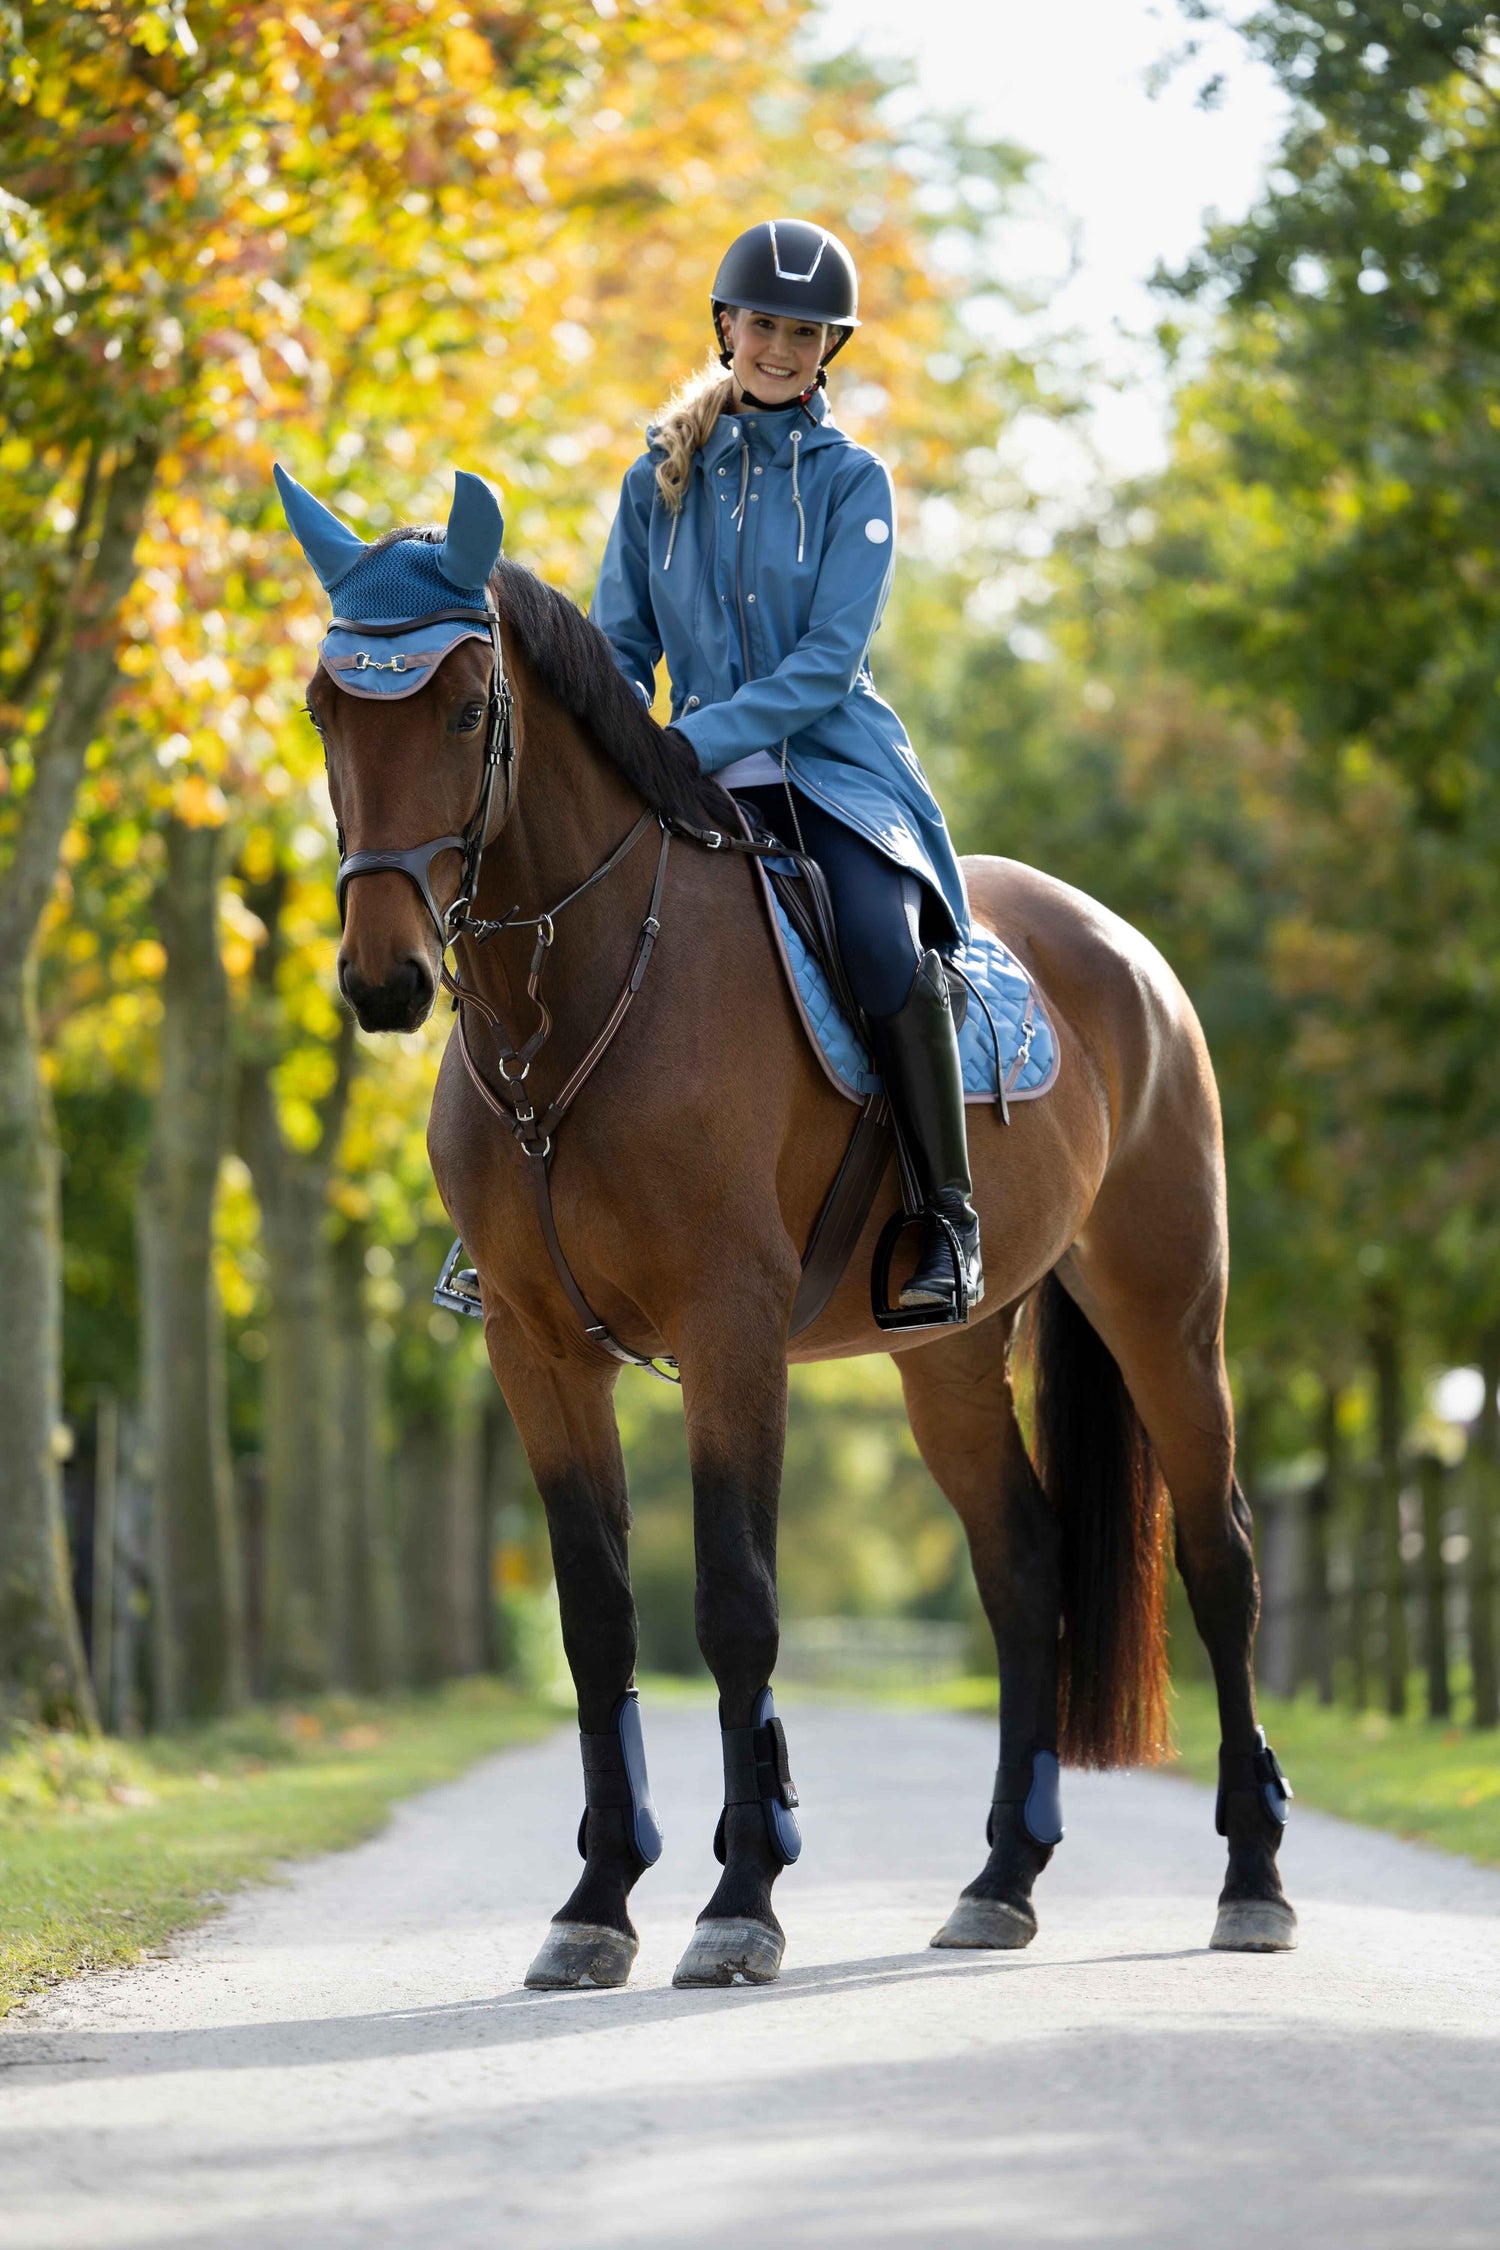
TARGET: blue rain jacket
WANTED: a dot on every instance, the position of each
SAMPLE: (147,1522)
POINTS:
(764,595)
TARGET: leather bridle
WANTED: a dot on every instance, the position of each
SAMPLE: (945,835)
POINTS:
(499,755)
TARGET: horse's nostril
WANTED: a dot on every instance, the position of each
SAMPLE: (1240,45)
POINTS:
(398,1003)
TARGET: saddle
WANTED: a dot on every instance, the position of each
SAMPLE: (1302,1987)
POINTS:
(801,914)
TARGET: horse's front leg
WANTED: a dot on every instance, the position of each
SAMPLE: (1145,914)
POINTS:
(564,1411)
(733,1361)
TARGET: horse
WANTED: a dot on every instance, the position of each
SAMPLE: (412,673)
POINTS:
(677,1202)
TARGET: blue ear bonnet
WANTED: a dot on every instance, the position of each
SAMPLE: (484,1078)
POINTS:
(394,585)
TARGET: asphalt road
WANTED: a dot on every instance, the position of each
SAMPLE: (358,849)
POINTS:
(349,2059)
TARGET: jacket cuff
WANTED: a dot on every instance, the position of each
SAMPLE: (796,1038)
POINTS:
(711,755)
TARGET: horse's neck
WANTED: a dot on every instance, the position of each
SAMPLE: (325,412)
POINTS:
(572,809)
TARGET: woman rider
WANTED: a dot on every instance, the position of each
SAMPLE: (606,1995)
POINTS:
(754,547)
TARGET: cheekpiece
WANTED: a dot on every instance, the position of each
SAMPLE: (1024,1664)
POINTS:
(401,608)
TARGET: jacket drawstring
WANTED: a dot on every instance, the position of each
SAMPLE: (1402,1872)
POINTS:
(797,495)
(672,537)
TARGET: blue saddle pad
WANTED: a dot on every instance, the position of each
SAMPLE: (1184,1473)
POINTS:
(1013,1000)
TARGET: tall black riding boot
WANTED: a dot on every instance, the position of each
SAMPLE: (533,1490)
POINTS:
(918,1053)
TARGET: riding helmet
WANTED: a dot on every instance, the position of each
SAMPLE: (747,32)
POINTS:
(792,267)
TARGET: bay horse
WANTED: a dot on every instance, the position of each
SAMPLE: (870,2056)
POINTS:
(683,1191)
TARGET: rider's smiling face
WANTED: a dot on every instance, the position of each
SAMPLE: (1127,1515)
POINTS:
(775,359)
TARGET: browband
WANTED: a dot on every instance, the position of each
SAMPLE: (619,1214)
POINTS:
(410,624)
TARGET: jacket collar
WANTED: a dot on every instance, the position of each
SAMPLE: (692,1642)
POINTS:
(770,435)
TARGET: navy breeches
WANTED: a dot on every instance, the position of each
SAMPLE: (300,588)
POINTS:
(877,906)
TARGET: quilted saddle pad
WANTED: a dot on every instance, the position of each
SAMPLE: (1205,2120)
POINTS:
(1022,1025)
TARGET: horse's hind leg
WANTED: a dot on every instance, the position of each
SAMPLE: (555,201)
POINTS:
(1165,1331)
(733,1359)
(565,1415)
(959,1402)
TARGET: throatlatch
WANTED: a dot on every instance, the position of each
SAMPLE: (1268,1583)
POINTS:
(614,1780)
(1253,1773)
(1035,1784)
(756,1772)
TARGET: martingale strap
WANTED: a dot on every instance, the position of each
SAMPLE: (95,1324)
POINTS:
(536,1133)
(840,1222)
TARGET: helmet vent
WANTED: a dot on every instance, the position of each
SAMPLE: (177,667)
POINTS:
(785,273)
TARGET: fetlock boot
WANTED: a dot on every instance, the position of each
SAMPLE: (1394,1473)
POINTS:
(919,1060)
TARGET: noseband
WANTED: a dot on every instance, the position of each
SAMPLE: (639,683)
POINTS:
(499,751)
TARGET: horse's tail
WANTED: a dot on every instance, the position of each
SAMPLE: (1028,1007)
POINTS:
(1099,1471)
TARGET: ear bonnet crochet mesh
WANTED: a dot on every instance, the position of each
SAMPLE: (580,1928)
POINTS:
(397,586)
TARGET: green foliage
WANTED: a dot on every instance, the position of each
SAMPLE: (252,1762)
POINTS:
(107,1849)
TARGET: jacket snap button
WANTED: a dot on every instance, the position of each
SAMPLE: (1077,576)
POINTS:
(752,597)
(692,702)
(758,472)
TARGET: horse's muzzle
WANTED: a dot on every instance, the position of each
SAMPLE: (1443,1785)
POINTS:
(401,1003)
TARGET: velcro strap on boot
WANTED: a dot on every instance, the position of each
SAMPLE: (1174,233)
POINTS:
(1252,1773)
(757,1771)
(1035,1784)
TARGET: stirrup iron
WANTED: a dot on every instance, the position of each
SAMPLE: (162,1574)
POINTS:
(457,1288)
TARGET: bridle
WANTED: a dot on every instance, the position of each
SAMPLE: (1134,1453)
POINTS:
(499,754)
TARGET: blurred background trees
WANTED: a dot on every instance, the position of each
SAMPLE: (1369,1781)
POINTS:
(1250,703)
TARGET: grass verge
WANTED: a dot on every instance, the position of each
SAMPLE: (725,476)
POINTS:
(1426,1780)
(107,1848)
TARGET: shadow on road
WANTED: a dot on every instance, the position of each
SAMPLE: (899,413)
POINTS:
(509,2019)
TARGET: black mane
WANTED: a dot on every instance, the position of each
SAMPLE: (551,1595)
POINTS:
(576,665)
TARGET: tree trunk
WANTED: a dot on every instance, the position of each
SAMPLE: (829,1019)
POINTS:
(42,1667)
(1433,1479)
(304,1538)
(425,1465)
(198,1611)
(367,1660)
(504,1466)
(1315,1655)
(302,1621)
(465,1539)
(1385,1354)
(104,1575)
(1482,1472)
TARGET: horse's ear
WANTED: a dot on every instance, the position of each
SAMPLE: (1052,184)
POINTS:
(471,545)
(330,546)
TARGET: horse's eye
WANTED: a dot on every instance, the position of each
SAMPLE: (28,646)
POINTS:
(312,714)
(466,720)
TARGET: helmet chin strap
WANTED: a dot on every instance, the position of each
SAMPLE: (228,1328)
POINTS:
(780,405)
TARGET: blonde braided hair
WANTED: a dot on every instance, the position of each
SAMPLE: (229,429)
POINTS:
(684,426)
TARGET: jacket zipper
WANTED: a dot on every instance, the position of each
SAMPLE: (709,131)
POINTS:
(739,535)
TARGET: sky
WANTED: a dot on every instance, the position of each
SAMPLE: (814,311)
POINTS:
(1124,180)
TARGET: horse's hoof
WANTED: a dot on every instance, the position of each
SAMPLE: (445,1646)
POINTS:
(582,1954)
(986,1922)
(1255,1925)
(732,1952)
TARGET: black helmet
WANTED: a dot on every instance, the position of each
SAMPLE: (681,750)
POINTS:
(789,266)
